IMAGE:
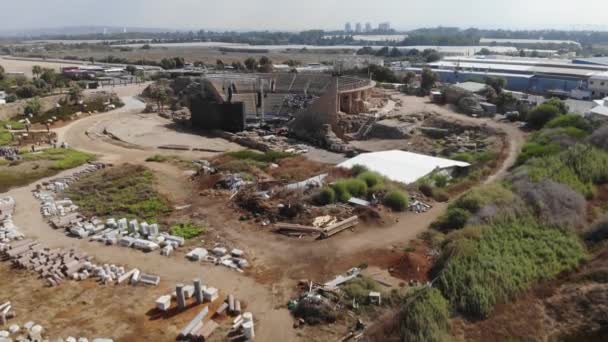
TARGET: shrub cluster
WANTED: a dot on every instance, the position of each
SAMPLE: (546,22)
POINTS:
(496,262)
(425,317)
(396,200)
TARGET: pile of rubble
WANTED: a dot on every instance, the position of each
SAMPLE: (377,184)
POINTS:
(9,153)
(219,256)
(63,214)
(31,331)
(8,231)
(58,265)
(299,101)
(265,140)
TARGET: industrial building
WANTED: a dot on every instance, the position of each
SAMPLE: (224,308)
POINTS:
(538,76)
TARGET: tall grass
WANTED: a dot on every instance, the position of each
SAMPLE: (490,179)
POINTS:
(489,265)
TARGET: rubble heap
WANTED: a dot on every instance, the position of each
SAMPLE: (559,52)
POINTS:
(219,256)
(31,331)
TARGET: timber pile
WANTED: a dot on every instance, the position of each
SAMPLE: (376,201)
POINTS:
(327,232)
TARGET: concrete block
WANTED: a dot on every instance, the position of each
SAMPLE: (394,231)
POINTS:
(220,251)
(237,253)
(197,254)
(163,303)
(210,294)
(188,291)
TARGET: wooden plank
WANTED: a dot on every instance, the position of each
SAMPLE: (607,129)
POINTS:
(298,228)
(340,226)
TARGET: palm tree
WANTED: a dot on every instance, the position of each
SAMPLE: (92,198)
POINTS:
(36,70)
(75,93)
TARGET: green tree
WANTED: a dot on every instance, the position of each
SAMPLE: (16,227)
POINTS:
(409,77)
(431,55)
(484,52)
(36,70)
(395,52)
(250,63)
(32,106)
(49,76)
(428,80)
(265,64)
(541,114)
(131,69)
(219,64)
(75,93)
(497,83)
(1,72)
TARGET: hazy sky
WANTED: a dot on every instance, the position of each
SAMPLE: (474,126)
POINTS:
(299,15)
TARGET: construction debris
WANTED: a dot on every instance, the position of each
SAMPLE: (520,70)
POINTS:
(31,331)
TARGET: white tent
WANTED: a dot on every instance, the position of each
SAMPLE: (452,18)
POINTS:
(402,166)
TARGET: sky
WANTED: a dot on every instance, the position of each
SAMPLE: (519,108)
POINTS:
(303,15)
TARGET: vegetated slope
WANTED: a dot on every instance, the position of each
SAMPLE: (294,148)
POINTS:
(124,191)
(526,240)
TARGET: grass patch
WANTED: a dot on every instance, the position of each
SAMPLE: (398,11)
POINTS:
(396,200)
(157,158)
(63,158)
(187,230)
(126,191)
(359,289)
(489,265)
(425,317)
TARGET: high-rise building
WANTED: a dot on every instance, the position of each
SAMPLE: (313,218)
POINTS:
(384,26)
(358,28)
(368,27)
(348,28)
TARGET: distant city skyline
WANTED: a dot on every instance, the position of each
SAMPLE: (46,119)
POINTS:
(243,15)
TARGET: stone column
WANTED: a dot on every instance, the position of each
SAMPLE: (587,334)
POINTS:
(181,299)
(198,293)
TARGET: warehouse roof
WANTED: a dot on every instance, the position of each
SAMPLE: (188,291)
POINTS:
(473,87)
(401,166)
(594,60)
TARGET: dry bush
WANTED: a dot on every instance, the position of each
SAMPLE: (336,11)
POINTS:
(599,138)
(553,203)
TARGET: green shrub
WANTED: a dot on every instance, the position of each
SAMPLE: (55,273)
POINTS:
(425,317)
(482,196)
(396,200)
(440,180)
(158,158)
(541,114)
(187,230)
(534,150)
(464,157)
(358,169)
(341,191)
(501,260)
(359,288)
(356,187)
(454,218)
(326,196)
(371,178)
(570,120)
